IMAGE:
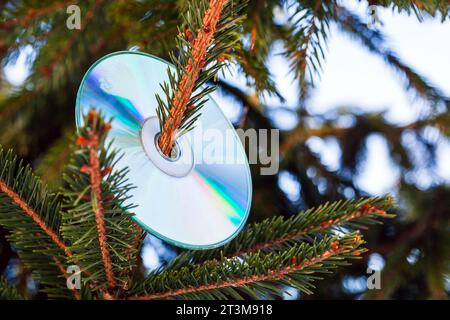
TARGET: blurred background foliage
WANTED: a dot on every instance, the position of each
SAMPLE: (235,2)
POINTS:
(37,120)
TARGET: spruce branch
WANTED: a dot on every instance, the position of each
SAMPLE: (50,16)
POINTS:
(62,269)
(418,7)
(210,31)
(47,74)
(48,69)
(8,292)
(34,13)
(325,226)
(278,233)
(92,142)
(257,275)
(305,37)
(32,216)
(96,221)
(37,219)
(252,58)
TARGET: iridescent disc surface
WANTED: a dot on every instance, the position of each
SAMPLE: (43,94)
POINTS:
(205,205)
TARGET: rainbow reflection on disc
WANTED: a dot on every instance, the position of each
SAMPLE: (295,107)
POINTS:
(200,200)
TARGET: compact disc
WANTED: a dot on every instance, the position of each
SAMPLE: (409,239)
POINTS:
(199,197)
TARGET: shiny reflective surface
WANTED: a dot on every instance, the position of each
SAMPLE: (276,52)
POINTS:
(203,209)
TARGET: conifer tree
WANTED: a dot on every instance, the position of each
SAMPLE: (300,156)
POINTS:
(81,218)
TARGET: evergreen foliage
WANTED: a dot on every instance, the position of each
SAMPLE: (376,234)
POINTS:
(33,216)
(226,36)
(82,218)
(8,292)
(255,275)
(103,238)
(89,226)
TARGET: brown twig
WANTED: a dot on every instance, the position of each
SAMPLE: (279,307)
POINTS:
(270,275)
(134,245)
(190,75)
(33,13)
(255,21)
(34,216)
(364,211)
(60,266)
(95,174)
(41,223)
(46,72)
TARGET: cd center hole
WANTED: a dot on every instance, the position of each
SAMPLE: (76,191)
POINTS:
(175,153)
